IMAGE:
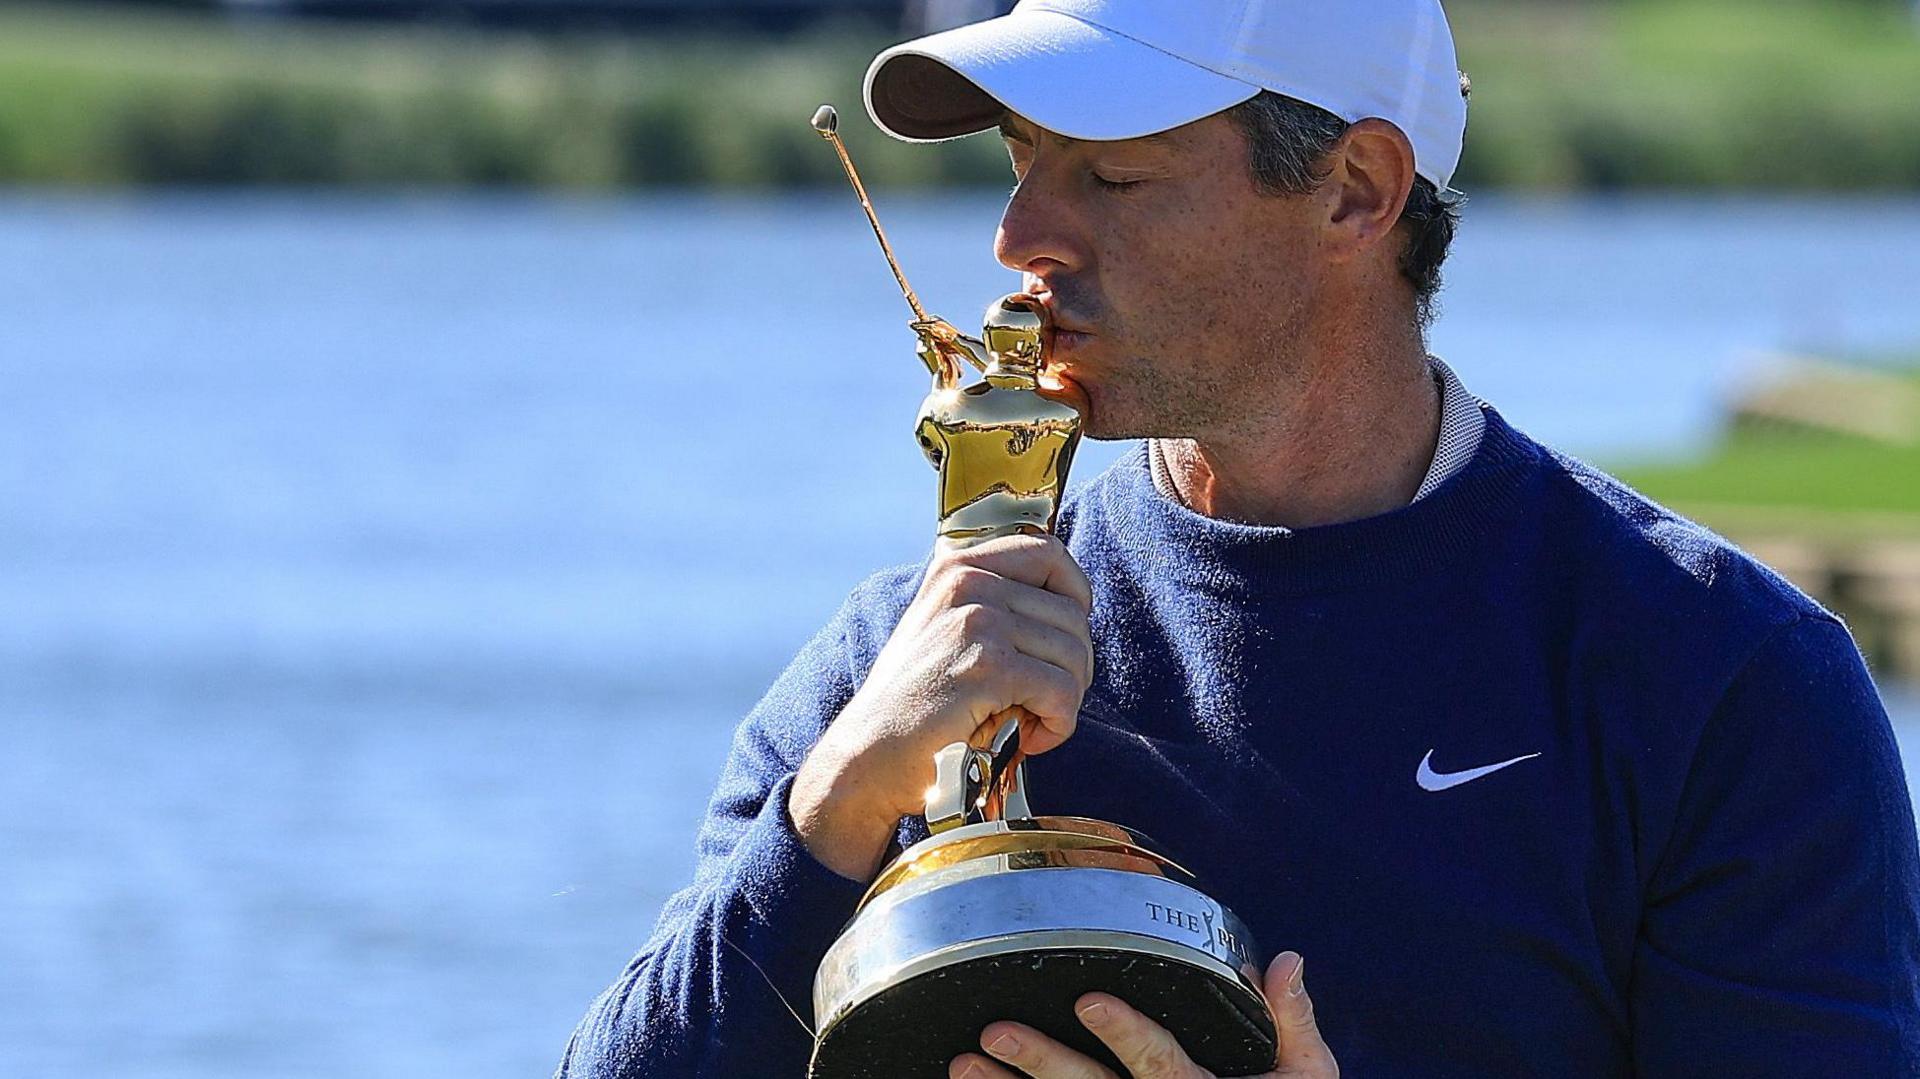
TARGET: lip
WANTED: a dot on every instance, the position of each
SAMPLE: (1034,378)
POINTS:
(1065,340)
(1061,323)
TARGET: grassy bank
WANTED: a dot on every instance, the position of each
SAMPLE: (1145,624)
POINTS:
(1657,93)
(1752,476)
(1800,481)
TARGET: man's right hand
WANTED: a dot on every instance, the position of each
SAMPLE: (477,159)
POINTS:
(995,625)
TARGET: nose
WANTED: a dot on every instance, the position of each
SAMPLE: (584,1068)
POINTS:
(1039,233)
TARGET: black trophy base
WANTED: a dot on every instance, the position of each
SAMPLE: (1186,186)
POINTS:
(911,1030)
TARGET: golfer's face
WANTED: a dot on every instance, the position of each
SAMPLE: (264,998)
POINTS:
(1171,278)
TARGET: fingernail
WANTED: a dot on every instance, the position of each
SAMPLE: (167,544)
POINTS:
(970,1071)
(1004,1046)
(1296,982)
(1094,1014)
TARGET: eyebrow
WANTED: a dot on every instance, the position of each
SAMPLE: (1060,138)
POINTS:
(1012,134)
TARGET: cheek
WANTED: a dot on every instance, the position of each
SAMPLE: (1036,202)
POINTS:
(1151,262)
(1187,274)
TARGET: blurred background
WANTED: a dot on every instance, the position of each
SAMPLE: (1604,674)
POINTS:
(393,531)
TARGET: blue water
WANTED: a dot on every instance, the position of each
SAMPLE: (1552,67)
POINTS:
(381,580)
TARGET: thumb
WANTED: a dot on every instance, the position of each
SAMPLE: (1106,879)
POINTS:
(1303,1053)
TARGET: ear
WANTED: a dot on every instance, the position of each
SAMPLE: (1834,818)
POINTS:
(1367,186)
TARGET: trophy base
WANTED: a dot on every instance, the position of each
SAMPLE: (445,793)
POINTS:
(914,1027)
(1017,920)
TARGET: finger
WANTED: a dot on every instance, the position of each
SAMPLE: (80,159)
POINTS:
(974,586)
(1051,693)
(995,675)
(1144,1046)
(975,1066)
(1041,735)
(1052,608)
(1070,652)
(963,584)
(1303,1053)
(1037,559)
(1070,580)
(1037,1055)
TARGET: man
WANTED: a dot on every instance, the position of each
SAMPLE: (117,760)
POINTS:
(1543,779)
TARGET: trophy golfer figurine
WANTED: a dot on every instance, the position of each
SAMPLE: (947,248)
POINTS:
(1001,449)
(1001,914)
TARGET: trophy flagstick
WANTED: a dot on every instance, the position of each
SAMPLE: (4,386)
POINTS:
(826,120)
(940,342)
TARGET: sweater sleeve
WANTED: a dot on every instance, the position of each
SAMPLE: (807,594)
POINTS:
(704,998)
(1781,930)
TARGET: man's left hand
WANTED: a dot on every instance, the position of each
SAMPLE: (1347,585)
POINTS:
(1145,1047)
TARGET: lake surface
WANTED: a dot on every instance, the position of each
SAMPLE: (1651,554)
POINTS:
(382,578)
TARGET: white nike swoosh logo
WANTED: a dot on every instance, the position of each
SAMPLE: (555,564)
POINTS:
(1431,780)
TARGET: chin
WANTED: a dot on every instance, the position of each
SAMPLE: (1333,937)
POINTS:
(1099,420)
(1056,385)
(1109,434)
(1104,425)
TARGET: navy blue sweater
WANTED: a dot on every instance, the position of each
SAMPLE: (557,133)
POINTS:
(1708,869)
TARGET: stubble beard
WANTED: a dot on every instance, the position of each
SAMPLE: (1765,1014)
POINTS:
(1201,381)
(1146,396)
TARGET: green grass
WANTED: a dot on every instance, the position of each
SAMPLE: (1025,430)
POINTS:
(1823,482)
(1788,94)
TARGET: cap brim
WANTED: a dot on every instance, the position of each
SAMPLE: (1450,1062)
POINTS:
(1064,74)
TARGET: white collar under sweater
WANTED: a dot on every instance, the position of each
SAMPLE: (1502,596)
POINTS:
(1461,425)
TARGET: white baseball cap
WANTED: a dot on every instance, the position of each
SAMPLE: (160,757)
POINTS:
(1120,69)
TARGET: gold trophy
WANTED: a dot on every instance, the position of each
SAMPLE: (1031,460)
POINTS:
(1000,914)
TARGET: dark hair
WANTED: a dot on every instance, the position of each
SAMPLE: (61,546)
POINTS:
(1289,142)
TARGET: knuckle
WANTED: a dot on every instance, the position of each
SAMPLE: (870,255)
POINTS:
(1168,1062)
(1009,548)
(1059,701)
(1154,1055)
(1036,541)
(975,620)
(1043,547)
(946,561)
(1074,613)
(1301,1015)
(967,583)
